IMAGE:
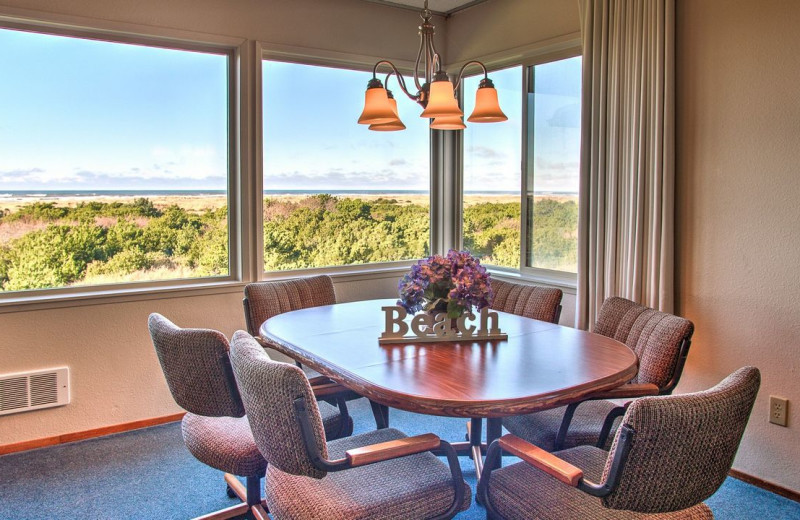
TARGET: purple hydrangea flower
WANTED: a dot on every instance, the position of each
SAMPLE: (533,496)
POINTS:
(455,283)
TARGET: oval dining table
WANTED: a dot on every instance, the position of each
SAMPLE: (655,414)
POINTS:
(541,365)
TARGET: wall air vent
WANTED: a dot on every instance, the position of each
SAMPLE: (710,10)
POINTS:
(24,392)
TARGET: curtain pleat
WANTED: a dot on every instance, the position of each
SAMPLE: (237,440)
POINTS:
(626,201)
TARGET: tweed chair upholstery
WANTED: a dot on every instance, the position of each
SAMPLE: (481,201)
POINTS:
(269,389)
(681,450)
(541,428)
(268,299)
(655,337)
(530,301)
(224,443)
(196,365)
(418,486)
(684,445)
(522,492)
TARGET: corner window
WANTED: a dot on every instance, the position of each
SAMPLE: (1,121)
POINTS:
(492,174)
(336,193)
(552,165)
(114,162)
(520,177)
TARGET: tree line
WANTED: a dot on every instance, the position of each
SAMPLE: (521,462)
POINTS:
(106,242)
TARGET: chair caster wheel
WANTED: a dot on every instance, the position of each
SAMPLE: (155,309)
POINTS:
(230,492)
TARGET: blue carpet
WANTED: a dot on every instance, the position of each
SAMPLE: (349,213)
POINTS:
(148,474)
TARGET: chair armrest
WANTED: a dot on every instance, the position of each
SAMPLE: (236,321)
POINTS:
(392,449)
(539,458)
(628,390)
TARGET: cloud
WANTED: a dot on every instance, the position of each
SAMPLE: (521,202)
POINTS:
(485,152)
(398,162)
(559,166)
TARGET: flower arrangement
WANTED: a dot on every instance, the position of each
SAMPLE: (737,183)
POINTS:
(454,283)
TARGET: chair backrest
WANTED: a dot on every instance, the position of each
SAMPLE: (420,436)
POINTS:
(657,338)
(531,301)
(263,300)
(197,368)
(683,445)
(269,389)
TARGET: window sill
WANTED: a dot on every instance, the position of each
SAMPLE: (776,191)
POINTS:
(54,299)
(348,273)
(103,295)
(566,282)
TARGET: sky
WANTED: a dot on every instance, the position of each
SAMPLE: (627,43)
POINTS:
(92,115)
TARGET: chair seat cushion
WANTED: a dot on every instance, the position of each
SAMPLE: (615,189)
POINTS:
(522,492)
(224,443)
(541,428)
(418,486)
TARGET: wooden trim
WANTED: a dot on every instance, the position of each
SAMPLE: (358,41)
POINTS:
(537,457)
(765,485)
(626,391)
(88,434)
(392,449)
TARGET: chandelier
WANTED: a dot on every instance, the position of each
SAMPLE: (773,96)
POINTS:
(435,92)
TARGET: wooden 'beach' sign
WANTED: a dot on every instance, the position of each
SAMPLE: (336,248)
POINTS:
(427,328)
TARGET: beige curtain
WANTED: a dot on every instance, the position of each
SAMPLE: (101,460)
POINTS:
(625,232)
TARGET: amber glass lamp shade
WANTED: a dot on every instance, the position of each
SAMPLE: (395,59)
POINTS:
(448,123)
(391,126)
(487,108)
(442,101)
(377,108)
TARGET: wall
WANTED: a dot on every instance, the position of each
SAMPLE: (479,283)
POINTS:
(738,248)
(500,26)
(738,147)
(350,26)
(115,374)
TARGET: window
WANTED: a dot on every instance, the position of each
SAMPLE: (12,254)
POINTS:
(496,164)
(336,193)
(552,165)
(492,172)
(114,162)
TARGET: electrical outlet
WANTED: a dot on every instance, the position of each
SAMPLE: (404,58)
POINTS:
(777,410)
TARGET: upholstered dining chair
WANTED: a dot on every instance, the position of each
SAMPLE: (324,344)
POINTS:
(669,454)
(263,300)
(198,372)
(661,342)
(530,301)
(382,474)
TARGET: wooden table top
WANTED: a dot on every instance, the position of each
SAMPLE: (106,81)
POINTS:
(540,366)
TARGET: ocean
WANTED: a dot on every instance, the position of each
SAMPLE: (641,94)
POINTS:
(54,194)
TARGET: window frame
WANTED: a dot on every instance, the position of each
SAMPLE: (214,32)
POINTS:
(346,61)
(569,48)
(551,276)
(234,50)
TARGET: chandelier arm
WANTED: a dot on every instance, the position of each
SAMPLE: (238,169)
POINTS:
(400,80)
(467,64)
(416,63)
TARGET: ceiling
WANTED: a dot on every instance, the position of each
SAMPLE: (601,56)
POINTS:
(437,6)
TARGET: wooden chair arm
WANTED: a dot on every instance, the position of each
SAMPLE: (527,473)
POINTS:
(539,458)
(629,390)
(392,449)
